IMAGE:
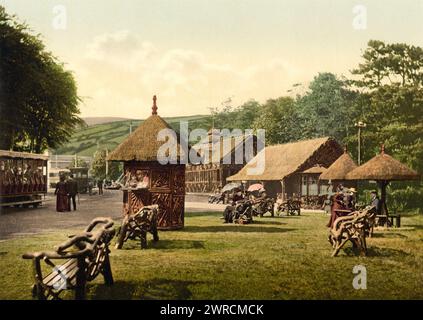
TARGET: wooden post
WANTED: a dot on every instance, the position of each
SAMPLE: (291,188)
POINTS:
(384,209)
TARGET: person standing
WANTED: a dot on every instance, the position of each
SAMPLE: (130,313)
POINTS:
(61,192)
(375,201)
(72,191)
(100,186)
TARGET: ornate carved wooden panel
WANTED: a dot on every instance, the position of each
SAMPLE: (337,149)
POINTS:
(167,190)
(161,179)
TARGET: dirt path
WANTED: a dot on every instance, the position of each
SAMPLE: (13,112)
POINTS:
(16,222)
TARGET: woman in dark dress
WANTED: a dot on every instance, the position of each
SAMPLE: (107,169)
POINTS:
(337,204)
(61,192)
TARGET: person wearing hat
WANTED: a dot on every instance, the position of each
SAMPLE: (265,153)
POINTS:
(351,198)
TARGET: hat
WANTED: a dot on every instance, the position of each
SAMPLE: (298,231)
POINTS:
(352,190)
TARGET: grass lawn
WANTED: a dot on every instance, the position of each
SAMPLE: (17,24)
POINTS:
(273,258)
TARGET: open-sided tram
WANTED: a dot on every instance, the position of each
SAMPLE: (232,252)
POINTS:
(23,178)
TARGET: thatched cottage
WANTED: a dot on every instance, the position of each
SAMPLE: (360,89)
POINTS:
(209,176)
(288,167)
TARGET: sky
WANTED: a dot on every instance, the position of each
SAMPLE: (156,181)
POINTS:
(195,54)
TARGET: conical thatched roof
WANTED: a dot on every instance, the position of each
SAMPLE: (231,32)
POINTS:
(142,144)
(382,167)
(339,169)
(285,159)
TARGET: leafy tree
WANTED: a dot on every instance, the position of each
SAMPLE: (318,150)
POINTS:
(38,97)
(391,78)
(280,120)
(390,64)
(98,167)
(241,117)
(326,109)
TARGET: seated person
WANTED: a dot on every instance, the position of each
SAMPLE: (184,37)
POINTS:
(237,196)
(141,179)
(262,195)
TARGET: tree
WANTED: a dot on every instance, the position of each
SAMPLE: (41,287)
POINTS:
(280,120)
(391,80)
(98,167)
(390,64)
(326,109)
(38,97)
(241,117)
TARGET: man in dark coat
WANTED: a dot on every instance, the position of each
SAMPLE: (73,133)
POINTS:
(375,201)
(72,186)
(100,186)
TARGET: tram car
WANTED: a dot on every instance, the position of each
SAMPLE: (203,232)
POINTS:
(23,178)
(80,174)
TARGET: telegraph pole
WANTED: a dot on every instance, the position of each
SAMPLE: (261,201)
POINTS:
(359,125)
(107,163)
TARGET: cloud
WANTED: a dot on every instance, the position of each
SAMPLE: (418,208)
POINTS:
(120,72)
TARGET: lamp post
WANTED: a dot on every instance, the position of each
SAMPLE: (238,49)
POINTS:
(359,125)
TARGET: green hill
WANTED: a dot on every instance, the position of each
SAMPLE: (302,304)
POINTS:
(85,141)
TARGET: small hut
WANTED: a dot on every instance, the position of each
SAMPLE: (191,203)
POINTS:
(338,170)
(147,181)
(383,168)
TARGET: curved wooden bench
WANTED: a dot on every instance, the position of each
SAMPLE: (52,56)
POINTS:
(135,226)
(354,227)
(89,258)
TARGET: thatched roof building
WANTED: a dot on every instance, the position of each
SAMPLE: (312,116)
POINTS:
(147,181)
(226,157)
(285,164)
(383,167)
(142,144)
(283,160)
(339,169)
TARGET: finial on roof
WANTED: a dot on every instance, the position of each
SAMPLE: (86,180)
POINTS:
(154,107)
(345,148)
(382,149)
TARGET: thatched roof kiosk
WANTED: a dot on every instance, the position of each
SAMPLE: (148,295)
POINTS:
(338,170)
(285,163)
(147,181)
(383,168)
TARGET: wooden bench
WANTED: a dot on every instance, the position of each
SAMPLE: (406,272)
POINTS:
(290,206)
(390,220)
(84,256)
(354,227)
(135,226)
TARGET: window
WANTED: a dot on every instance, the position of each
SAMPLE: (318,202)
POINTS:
(313,188)
(304,185)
